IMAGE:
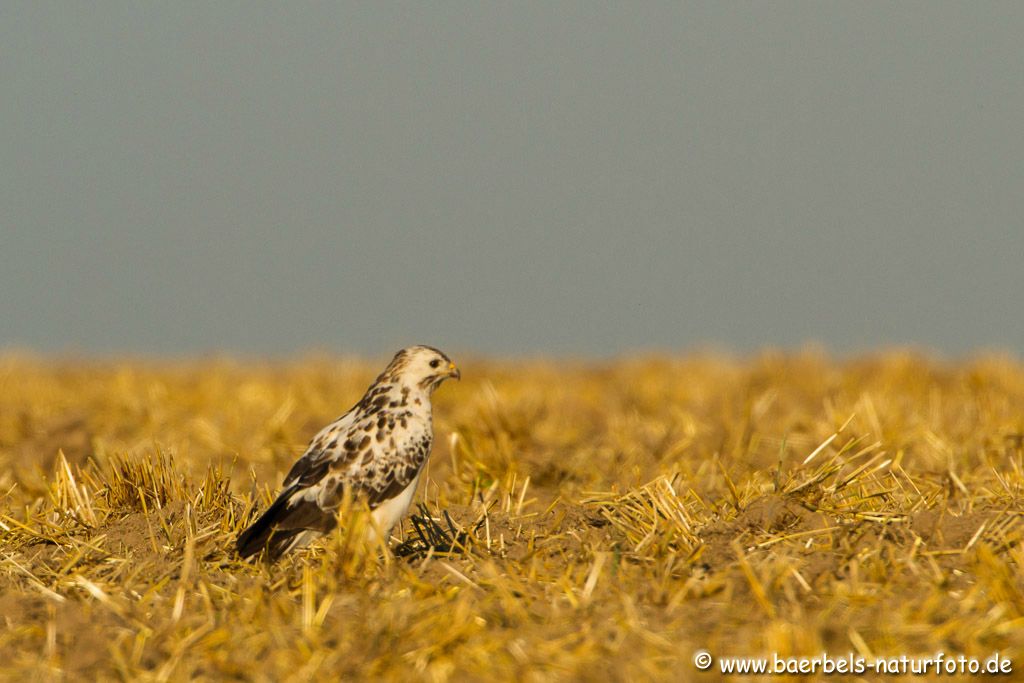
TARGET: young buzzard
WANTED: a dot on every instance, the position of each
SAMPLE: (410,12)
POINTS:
(376,451)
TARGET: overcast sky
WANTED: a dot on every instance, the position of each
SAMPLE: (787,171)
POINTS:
(180,178)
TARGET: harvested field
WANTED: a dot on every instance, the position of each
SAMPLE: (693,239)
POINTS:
(612,519)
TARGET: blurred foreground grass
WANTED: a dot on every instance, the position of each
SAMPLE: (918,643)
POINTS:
(620,516)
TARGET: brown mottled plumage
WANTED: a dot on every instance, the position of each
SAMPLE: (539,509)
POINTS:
(376,451)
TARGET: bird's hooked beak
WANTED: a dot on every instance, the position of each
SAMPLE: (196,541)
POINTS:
(454,371)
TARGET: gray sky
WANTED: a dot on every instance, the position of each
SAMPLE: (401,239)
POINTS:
(510,178)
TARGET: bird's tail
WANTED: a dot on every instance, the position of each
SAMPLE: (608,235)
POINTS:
(285,525)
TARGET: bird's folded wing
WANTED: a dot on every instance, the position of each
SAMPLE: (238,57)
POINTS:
(325,451)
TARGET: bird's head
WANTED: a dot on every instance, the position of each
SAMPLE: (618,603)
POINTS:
(422,366)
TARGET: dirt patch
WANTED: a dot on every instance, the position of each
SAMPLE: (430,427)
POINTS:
(142,534)
(769,515)
(942,529)
(775,513)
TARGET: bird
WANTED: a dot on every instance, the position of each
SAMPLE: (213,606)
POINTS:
(375,452)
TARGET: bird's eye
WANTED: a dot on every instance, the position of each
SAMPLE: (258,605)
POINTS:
(434,363)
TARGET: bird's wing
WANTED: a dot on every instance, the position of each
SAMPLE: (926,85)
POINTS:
(283,524)
(360,454)
(324,449)
(309,497)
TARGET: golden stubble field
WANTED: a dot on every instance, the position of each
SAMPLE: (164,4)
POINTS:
(619,516)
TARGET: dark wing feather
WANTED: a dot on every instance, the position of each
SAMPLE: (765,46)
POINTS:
(309,469)
(277,527)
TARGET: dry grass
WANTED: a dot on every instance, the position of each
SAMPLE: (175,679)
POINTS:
(609,519)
